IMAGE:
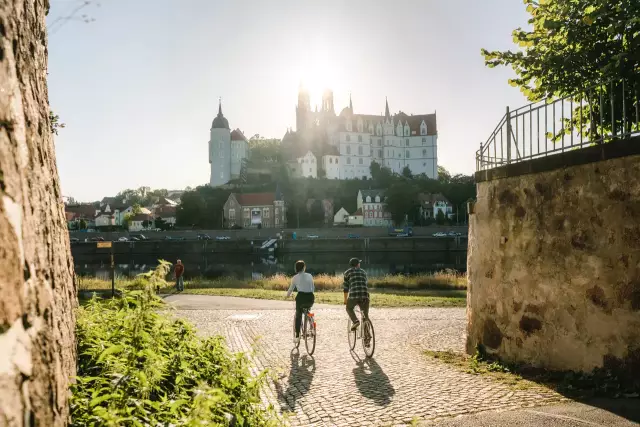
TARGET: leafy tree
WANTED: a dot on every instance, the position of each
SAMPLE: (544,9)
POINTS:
(571,46)
(440,217)
(443,175)
(401,201)
(161,223)
(406,172)
(316,213)
(82,224)
(126,221)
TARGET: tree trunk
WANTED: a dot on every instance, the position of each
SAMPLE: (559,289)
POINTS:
(37,292)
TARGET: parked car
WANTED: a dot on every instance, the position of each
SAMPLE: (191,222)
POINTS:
(439,234)
(138,236)
(204,237)
(123,239)
(312,236)
(402,235)
(134,239)
(74,240)
(97,239)
(168,238)
(223,238)
(353,236)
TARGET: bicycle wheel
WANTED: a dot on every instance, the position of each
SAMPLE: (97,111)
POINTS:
(297,342)
(351,335)
(309,334)
(369,338)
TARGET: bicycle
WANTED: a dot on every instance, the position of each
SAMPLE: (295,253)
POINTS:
(364,330)
(307,330)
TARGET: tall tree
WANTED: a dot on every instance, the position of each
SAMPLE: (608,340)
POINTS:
(573,45)
(37,292)
(406,172)
(401,201)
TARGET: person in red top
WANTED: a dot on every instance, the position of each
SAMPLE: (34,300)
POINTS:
(179,271)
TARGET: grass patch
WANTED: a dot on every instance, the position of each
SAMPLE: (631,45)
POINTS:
(428,298)
(138,367)
(599,383)
(444,280)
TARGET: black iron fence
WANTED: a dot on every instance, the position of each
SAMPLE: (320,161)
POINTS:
(596,115)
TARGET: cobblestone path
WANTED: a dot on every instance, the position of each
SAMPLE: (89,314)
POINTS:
(336,388)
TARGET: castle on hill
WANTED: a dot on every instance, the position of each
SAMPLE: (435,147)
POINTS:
(342,146)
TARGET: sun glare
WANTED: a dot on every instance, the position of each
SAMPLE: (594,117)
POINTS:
(318,74)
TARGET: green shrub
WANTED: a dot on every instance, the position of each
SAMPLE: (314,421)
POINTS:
(138,367)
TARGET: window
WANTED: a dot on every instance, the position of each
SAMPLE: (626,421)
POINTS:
(359,138)
(424,152)
(407,154)
(348,138)
(368,199)
(265,213)
(246,212)
(277,211)
(360,160)
(379,153)
(407,142)
(360,150)
(310,171)
(330,161)
(232,214)
(348,149)
(348,160)
(424,140)
(277,221)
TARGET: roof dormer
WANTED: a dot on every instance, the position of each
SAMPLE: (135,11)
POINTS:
(399,129)
(407,129)
(423,128)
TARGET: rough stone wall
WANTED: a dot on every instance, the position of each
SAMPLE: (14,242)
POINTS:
(37,294)
(554,267)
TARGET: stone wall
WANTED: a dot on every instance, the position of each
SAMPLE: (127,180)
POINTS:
(37,295)
(554,262)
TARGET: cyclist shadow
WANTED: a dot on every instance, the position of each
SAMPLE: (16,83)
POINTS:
(299,382)
(372,382)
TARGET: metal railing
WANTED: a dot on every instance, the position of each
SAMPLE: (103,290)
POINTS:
(596,115)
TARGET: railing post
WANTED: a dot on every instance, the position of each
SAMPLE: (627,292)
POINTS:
(508,121)
(479,158)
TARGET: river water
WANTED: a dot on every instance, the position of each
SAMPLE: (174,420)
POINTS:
(253,266)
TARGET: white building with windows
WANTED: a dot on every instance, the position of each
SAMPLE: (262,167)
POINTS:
(226,151)
(305,166)
(373,206)
(395,141)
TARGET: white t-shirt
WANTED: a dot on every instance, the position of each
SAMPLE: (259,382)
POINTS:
(303,282)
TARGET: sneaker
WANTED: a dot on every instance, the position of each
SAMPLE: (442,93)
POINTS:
(355,326)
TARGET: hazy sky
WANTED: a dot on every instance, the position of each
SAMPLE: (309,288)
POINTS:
(139,86)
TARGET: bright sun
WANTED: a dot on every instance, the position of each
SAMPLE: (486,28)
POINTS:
(318,74)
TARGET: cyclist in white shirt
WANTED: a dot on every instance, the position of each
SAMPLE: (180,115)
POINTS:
(303,283)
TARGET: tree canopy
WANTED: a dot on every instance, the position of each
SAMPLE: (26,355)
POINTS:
(572,44)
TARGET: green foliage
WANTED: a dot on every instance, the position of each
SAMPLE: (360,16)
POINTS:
(138,367)
(161,223)
(572,44)
(264,150)
(82,224)
(55,123)
(143,196)
(406,172)
(401,200)
(440,217)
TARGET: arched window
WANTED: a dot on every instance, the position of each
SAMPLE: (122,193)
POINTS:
(377,199)
(368,199)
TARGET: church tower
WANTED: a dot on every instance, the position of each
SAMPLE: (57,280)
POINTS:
(303,110)
(327,102)
(220,150)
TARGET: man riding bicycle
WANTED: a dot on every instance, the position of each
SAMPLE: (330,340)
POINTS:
(356,292)
(303,283)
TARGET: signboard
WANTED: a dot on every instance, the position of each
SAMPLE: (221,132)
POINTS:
(103,245)
(256,216)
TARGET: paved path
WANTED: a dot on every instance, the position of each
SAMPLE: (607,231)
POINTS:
(337,388)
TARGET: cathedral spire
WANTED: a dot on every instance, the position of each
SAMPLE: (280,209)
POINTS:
(350,103)
(386,108)
(219,105)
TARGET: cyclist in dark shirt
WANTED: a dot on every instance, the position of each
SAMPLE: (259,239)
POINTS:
(356,292)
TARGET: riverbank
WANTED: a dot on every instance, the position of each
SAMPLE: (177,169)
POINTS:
(444,280)
(444,289)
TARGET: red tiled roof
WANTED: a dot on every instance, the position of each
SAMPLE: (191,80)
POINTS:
(237,135)
(255,199)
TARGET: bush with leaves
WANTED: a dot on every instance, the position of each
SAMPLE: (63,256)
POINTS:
(138,367)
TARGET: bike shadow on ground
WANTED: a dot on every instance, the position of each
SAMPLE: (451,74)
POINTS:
(299,380)
(371,381)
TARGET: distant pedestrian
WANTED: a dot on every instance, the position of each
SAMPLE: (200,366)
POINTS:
(179,273)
